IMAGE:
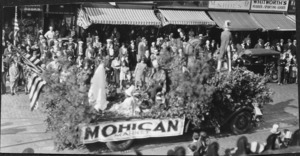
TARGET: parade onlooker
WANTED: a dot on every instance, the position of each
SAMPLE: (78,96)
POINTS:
(281,44)
(213,149)
(14,75)
(132,52)
(282,63)
(259,45)
(242,147)
(140,73)
(267,46)
(123,74)
(295,139)
(116,65)
(50,36)
(141,48)
(248,44)
(293,48)
(90,51)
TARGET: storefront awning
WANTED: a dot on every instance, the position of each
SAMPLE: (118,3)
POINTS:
(292,18)
(276,22)
(240,21)
(121,16)
(184,17)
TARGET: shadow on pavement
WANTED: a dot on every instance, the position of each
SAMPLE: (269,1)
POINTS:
(12,131)
(6,124)
(276,113)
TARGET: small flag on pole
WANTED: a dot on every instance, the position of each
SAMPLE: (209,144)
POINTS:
(36,83)
(83,19)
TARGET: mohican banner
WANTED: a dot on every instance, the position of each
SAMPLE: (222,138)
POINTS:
(134,129)
(270,5)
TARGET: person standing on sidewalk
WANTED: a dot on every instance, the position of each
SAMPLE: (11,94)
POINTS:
(282,64)
(4,74)
(50,36)
(14,75)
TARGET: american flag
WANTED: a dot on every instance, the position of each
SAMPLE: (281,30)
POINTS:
(83,20)
(16,26)
(36,83)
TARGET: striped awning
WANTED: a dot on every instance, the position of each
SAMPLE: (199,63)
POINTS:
(275,22)
(184,17)
(240,21)
(121,16)
(291,17)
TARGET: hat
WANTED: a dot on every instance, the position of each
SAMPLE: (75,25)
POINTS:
(108,40)
(256,147)
(274,129)
(130,90)
(289,40)
(287,134)
(227,24)
(80,42)
(200,35)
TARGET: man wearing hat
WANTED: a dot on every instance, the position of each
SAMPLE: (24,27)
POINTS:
(259,45)
(96,43)
(90,51)
(50,35)
(141,48)
(225,39)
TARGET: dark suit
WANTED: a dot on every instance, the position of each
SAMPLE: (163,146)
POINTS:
(259,46)
(225,38)
(293,49)
(141,50)
(247,46)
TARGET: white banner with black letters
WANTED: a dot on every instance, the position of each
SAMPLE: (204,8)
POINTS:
(134,129)
(270,5)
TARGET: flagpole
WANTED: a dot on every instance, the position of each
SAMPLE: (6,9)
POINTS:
(16,26)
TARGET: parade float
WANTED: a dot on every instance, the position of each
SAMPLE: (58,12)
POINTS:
(195,98)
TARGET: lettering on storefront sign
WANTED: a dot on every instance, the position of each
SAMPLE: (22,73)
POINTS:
(270,5)
(235,5)
(125,130)
(292,6)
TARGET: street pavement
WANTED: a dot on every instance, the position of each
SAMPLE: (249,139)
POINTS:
(22,128)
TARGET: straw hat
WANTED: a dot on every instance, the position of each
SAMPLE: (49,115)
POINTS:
(275,129)
(256,147)
(227,24)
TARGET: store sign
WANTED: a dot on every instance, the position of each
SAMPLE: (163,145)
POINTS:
(292,6)
(125,130)
(32,8)
(234,5)
(270,5)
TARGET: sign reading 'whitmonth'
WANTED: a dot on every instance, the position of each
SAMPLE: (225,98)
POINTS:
(270,5)
(125,130)
(234,5)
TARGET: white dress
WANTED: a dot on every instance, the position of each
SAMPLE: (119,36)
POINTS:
(97,92)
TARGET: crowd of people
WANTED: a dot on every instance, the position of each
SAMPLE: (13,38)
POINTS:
(278,142)
(132,61)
